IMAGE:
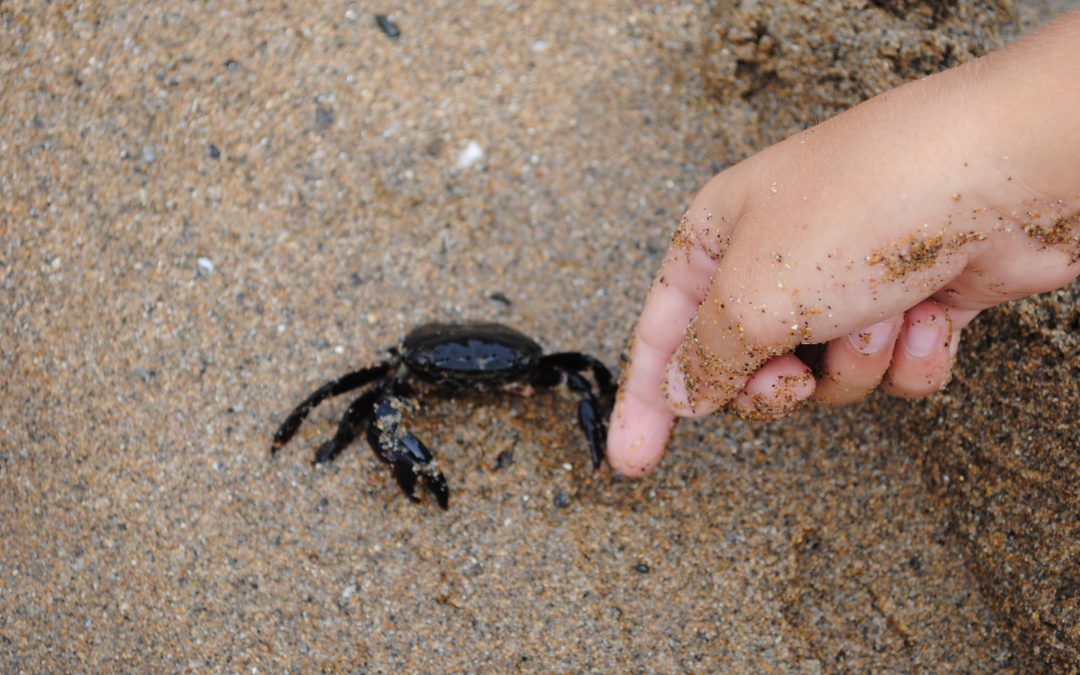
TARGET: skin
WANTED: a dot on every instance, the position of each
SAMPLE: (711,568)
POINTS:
(880,234)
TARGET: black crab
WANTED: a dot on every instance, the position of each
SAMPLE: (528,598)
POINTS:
(449,359)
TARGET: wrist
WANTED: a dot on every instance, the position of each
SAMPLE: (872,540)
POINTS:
(1028,95)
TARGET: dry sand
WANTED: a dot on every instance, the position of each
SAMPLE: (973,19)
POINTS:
(205,214)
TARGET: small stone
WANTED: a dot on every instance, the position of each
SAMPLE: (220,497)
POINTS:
(324,116)
(145,374)
(504,459)
(561,500)
(435,147)
(642,568)
(388,27)
(472,154)
(215,153)
(205,265)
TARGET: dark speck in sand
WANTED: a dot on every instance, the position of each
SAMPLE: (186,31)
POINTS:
(561,500)
(505,459)
(387,26)
(642,568)
(435,147)
(215,153)
(324,116)
(321,506)
(500,298)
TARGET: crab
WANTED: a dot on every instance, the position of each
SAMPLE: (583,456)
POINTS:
(451,358)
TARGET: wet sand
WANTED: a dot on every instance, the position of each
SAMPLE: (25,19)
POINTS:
(205,215)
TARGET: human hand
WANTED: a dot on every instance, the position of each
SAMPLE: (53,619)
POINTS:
(880,233)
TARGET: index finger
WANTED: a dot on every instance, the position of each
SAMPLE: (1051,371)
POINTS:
(642,421)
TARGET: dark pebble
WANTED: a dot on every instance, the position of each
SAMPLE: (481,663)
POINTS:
(641,568)
(324,116)
(145,374)
(561,500)
(387,26)
(321,506)
(435,147)
(504,459)
(500,298)
(215,153)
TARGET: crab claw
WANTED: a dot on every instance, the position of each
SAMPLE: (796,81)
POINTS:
(435,482)
(423,464)
(411,459)
(592,422)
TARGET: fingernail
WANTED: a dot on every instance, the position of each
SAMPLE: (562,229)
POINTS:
(872,340)
(675,387)
(923,337)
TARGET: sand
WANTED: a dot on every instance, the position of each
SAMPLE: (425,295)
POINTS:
(206,214)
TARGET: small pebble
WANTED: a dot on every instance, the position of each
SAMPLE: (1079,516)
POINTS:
(641,568)
(387,26)
(215,153)
(472,154)
(324,116)
(561,500)
(504,459)
(144,374)
(205,264)
(435,147)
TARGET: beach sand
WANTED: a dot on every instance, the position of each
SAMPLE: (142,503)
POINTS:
(205,214)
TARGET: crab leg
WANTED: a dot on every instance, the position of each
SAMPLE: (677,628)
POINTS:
(578,362)
(567,367)
(349,427)
(406,454)
(589,417)
(341,385)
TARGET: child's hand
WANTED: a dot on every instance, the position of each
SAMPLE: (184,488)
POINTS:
(881,233)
